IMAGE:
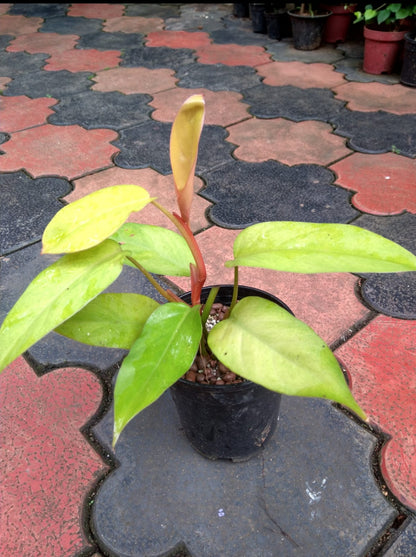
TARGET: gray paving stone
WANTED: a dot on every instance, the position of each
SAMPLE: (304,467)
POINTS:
(377,132)
(217,77)
(19,268)
(245,193)
(404,546)
(71,25)
(309,493)
(16,64)
(38,10)
(352,68)
(102,40)
(392,294)
(199,17)
(157,57)
(283,51)
(5,40)
(153,10)
(27,205)
(291,102)
(93,109)
(148,145)
(49,84)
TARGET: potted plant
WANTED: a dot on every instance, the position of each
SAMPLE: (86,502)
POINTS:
(338,23)
(255,339)
(408,71)
(384,29)
(308,24)
(277,20)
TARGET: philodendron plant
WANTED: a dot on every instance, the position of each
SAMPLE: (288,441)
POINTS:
(258,340)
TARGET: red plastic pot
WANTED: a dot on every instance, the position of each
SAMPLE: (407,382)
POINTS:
(338,23)
(381,50)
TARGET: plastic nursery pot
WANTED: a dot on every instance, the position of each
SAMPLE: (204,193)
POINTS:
(308,30)
(408,73)
(338,23)
(258,18)
(227,421)
(241,10)
(381,50)
(278,25)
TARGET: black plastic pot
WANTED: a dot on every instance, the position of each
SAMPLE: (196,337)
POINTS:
(241,10)
(308,30)
(258,18)
(227,421)
(278,25)
(408,72)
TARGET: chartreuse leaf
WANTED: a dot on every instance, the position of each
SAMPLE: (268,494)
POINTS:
(112,320)
(267,345)
(93,218)
(301,247)
(56,294)
(160,356)
(159,250)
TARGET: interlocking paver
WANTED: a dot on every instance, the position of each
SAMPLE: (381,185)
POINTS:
(158,57)
(133,24)
(299,74)
(178,39)
(71,25)
(369,97)
(18,64)
(134,80)
(43,42)
(218,77)
(232,55)
(105,11)
(384,184)
(83,60)
(20,112)
(303,142)
(19,24)
(68,151)
(44,84)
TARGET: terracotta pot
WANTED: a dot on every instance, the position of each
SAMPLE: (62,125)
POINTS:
(338,23)
(227,421)
(408,73)
(381,50)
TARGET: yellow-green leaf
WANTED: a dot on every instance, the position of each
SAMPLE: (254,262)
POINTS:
(93,218)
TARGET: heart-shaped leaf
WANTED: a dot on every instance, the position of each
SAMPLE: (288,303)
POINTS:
(93,218)
(112,320)
(302,247)
(56,294)
(158,250)
(160,356)
(264,343)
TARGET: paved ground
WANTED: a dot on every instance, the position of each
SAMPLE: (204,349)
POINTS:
(89,94)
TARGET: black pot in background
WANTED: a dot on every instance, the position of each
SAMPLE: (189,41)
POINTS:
(308,30)
(227,421)
(408,72)
(258,18)
(241,10)
(278,25)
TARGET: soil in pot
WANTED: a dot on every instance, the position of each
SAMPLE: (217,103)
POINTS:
(230,417)
(408,72)
(308,30)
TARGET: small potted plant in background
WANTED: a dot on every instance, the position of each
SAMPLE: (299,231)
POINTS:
(385,27)
(408,71)
(338,23)
(254,339)
(277,20)
(308,25)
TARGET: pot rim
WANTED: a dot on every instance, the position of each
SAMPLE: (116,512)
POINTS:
(309,17)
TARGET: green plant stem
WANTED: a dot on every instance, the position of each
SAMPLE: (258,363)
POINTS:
(235,294)
(168,294)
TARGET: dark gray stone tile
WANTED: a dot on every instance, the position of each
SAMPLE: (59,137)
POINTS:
(217,77)
(378,132)
(5,40)
(243,36)
(157,57)
(404,546)
(15,64)
(153,10)
(94,109)
(49,84)
(245,193)
(199,17)
(148,145)
(284,51)
(312,482)
(71,25)
(392,294)
(27,205)
(291,102)
(39,10)
(101,40)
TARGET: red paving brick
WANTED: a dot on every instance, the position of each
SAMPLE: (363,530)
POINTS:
(232,55)
(19,24)
(385,184)
(51,43)
(47,464)
(178,39)
(68,151)
(133,24)
(328,303)
(134,80)
(289,142)
(101,11)
(21,112)
(222,107)
(158,185)
(381,360)
(370,97)
(83,60)
(301,75)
